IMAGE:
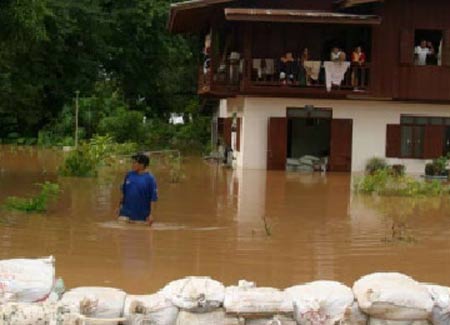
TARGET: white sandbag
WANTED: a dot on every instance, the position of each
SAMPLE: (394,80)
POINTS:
(153,309)
(195,294)
(440,314)
(375,321)
(253,302)
(354,316)
(26,280)
(393,296)
(36,314)
(216,317)
(276,320)
(321,302)
(95,302)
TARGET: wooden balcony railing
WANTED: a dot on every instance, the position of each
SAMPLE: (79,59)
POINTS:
(229,77)
(312,75)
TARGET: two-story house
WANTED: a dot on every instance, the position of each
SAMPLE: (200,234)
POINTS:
(344,80)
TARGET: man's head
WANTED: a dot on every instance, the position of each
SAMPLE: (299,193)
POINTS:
(140,162)
(423,43)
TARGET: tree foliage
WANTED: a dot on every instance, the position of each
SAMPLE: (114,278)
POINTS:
(51,48)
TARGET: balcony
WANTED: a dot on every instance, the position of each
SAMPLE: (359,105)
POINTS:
(262,77)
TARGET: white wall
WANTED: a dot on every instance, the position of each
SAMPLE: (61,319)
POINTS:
(369,125)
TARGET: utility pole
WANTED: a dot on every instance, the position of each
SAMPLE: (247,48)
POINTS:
(77,94)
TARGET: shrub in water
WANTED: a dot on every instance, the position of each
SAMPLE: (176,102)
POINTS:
(38,203)
(89,156)
(438,167)
(384,182)
(374,164)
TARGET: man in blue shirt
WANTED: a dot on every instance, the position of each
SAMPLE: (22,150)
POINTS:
(139,191)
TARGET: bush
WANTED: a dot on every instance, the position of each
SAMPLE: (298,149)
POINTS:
(398,170)
(124,126)
(85,160)
(38,203)
(374,164)
(438,167)
(383,182)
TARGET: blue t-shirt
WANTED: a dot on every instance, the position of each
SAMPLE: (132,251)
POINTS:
(139,191)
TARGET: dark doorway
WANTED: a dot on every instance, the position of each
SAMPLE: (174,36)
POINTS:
(308,136)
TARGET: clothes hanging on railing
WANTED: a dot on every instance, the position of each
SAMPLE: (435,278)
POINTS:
(312,69)
(335,73)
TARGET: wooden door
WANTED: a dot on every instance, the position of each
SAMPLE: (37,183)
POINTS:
(341,145)
(277,143)
(226,130)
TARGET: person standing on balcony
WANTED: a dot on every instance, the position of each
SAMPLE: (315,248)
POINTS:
(337,55)
(358,59)
(422,51)
(302,75)
(286,67)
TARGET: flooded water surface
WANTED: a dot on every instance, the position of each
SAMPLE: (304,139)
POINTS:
(275,228)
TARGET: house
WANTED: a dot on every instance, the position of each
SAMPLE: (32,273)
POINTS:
(395,104)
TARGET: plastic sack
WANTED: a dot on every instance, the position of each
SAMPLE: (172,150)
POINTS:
(276,320)
(393,296)
(247,300)
(26,280)
(321,302)
(152,309)
(36,314)
(95,302)
(195,294)
(440,314)
(375,321)
(216,317)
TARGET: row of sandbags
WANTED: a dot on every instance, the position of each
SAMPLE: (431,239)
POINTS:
(27,296)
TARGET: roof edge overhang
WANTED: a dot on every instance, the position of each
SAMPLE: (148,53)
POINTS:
(299,16)
(185,7)
(350,3)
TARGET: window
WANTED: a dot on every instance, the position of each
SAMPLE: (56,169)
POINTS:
(427,47)
(424,136)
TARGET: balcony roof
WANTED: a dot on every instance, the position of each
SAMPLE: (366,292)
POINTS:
(187,16)
(299,16)
(351,3)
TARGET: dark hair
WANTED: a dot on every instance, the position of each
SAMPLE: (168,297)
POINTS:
(140,158)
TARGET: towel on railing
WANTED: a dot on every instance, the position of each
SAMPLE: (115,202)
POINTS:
(312,69)
(335,73)
(264,67)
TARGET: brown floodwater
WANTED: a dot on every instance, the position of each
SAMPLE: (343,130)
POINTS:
(212,223)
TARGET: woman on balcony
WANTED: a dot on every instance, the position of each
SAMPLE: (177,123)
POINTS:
(358,60)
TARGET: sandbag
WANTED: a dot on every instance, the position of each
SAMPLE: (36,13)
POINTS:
(195,294)
(276,320)
(95,302)
(26,280)
(440,314)
(253,302)
(354,316)
(149,309)
(216,317)
(36,314)
(393,296)
(321,302)
(375,321)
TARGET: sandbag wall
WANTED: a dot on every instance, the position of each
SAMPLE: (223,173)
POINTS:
(29,294)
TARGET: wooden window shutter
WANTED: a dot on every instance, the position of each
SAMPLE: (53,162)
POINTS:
(238,134)
(393,141)
(445,50)
(433,146)
(227,131)
(406,46)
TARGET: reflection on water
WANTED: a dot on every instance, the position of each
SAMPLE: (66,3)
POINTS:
(212,224)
